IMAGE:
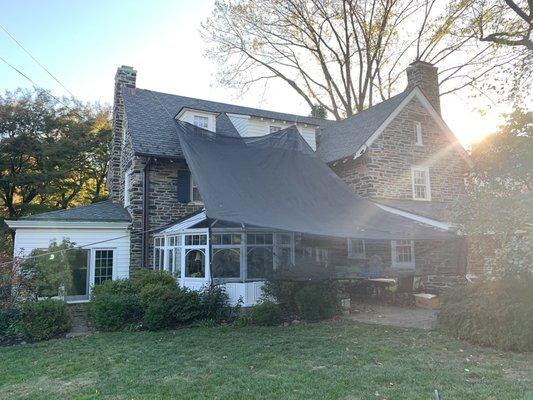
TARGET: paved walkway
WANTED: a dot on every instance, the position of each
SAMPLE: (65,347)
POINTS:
(404,317)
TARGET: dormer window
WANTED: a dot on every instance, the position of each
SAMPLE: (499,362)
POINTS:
(201,121)
(274,128)
(418,134)
(420,182)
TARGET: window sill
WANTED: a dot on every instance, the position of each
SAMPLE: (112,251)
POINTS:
(415,199)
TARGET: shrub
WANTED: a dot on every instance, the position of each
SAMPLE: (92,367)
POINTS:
(214,303)
(316,301)
(114,305)
(45,319)
(494,313)
(8,318)
(145,277)
(265,314)
(282,292)
(188,306)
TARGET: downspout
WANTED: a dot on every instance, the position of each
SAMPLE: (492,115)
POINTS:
(144,226)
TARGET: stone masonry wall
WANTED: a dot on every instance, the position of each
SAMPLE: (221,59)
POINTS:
(385,169)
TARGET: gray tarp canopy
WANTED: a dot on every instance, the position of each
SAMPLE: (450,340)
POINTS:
(276,181)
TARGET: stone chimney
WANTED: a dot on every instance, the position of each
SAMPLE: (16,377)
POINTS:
(125,77)
(425,76)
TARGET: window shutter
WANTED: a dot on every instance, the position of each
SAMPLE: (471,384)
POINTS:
(184,186)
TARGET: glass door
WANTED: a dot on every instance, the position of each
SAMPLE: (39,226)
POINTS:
(79,261)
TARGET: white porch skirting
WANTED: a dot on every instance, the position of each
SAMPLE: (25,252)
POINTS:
(249,292)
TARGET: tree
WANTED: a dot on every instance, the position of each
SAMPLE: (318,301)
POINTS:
(319,111)
(345,55)
(497,211)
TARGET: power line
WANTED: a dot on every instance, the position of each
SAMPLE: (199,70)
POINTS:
(40,88)
(35,59)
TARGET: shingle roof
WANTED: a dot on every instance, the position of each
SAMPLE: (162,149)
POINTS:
(104,211)
(344,138)
(150,119)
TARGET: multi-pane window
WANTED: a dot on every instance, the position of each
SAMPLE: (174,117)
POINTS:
(195,263)
(283,254)
(418,134)
(103,266)
(201,121)
(226,262)
(420,181)
(403,253)
(195,192)
(159,253)
(259,257)
(195,240)
(356,248)
(173,255)
(274,128)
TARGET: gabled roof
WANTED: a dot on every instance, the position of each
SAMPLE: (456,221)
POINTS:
(345,137)
(150,119)
(103,211)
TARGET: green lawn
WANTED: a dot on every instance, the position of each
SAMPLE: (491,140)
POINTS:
(341,360)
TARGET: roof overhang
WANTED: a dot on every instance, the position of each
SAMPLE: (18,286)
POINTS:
(183,110)
(447,226)
(51,224)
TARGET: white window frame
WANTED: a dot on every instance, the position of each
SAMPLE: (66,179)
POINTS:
(418,133)
(193,186)
(93,263)
(427,185)
(402,264)
(351,248)
(127,187)
(203,118)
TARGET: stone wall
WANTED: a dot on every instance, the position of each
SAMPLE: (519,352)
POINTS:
(385,168)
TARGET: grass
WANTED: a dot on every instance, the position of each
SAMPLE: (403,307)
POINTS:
(335,360)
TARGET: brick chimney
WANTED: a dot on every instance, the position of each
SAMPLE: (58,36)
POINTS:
(425,76)
(125,76)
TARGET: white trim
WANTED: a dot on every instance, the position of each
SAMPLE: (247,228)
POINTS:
(406,265)
(416,92)
(418,134)
(418,218)
(243,116)
(49,224)
(195,110)
(127,186)
(427,185)
(185,224)
(356,256)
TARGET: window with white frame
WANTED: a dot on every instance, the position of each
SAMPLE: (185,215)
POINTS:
(195,255)
(159,253)
(201,121)
(356,248)
(226,262)
(259,255)
(418,134)
(103,266)
(283,250)
(274,128)
(403,253)
(420,182)
(173,255)
(127,187)
(195,192)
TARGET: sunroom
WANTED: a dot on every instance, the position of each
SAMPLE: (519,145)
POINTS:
(199,252)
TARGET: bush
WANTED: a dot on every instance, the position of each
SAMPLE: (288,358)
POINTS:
(8,318)
(114,305)
(45,319)
(265,314)
(214,303)
(316,301)
(145,277)
(492,313)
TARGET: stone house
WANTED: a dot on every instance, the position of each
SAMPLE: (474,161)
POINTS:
(399,154)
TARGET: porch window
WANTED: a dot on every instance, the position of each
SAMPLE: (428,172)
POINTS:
(159,253)
(420,181)
(195,240)
(283,254)
(103,266)
(356,248)
(259,257)
(195,263)
(173,255)
(226,262)
(403,253)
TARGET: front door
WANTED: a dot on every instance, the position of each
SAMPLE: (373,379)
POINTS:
(79,290)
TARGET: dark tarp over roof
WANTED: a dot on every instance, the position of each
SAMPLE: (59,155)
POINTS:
(276,181)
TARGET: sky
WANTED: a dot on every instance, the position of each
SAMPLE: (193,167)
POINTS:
(82,43)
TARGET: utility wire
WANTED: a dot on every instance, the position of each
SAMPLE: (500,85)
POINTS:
(35,59)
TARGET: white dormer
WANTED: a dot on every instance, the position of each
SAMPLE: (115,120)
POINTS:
(200,118)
